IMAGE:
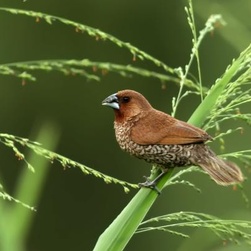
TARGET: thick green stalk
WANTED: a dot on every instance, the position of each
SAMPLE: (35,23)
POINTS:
(204,109)
(117,235)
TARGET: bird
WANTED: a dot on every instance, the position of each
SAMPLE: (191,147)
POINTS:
(164,141)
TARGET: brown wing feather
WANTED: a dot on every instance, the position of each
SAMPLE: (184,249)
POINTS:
(160,128)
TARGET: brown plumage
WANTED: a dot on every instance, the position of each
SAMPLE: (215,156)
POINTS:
(158,138)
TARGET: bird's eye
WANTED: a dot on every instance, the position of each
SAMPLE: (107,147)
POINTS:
(125,99)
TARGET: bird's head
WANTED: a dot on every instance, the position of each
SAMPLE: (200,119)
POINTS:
(127,104)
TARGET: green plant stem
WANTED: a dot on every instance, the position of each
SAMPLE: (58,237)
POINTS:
(117,235)
(204,109)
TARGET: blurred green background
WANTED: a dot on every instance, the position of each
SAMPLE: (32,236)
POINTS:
(75,209)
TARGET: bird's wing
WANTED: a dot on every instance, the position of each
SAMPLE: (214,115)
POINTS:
(160,128)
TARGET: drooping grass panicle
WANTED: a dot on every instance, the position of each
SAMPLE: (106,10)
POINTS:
(175,179)
(232,230)
(6,196)
(93,32)
(13,142)
(89,69)
(231,103)
(243,156)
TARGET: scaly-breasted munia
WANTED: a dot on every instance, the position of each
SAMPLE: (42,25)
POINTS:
(160,139)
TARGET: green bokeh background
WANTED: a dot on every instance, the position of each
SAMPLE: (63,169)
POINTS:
(75,209)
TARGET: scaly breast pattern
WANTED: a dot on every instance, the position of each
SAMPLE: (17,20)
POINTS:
(162,155)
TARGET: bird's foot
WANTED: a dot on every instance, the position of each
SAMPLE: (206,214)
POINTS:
(150,184)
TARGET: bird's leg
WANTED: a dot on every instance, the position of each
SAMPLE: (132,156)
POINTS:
(152,183)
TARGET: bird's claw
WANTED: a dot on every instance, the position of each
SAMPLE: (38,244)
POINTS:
(150,184)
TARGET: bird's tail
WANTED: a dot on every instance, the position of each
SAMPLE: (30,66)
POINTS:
(221,171)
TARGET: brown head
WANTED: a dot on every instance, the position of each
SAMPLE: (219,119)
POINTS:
(152,126)
(127,104)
